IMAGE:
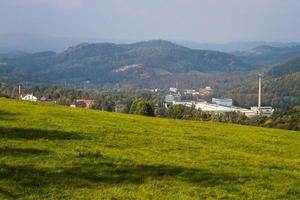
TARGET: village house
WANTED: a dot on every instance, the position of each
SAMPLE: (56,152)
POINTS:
(87,103)
(28,97)
(47,100)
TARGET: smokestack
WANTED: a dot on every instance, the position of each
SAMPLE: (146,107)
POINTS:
(259,90)
(19,90)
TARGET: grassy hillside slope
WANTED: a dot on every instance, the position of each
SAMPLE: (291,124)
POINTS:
(55,152)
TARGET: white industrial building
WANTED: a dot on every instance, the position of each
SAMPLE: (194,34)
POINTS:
(174,90)
(223,102)
(184,103)
(215,108)
(189,91)
(170,98)
(265,111)
(220,106)
(220,109)
(261,110)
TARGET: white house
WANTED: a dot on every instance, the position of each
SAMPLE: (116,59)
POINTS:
(28,97)
(174,90)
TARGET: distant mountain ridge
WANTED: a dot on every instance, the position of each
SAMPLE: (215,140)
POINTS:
(288,67)
(265,55)
(35,43)
(98,62)
(234,46)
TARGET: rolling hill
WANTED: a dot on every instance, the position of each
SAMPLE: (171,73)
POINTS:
(288,67)
(112,63)
(234,46)
(55,152)
(279,92)
(281,88)
(266,55)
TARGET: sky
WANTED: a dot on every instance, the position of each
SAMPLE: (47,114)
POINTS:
(189,20)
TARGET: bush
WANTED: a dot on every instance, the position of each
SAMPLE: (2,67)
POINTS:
(178,111)
(141,107)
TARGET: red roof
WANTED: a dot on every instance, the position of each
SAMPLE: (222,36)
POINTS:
(87,102)
(23,95)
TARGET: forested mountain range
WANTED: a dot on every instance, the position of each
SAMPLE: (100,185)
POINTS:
(281,86)
(234,46)
(288,67)
(32,43)
(266,55)
(157,64)
(112,63)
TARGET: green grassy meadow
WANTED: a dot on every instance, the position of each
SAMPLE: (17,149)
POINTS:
(54,152)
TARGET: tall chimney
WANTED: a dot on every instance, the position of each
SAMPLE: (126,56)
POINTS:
(259,90)
(19,90)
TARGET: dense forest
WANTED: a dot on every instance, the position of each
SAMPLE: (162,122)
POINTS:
(267,55)
(288,67)
(281,86)
(278,92)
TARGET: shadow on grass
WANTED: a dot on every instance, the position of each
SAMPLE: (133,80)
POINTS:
(7,116)
(35,134)
(9,151)
(104,171)
(7,194)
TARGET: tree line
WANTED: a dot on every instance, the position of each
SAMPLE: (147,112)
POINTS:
(283,118)
(146,103)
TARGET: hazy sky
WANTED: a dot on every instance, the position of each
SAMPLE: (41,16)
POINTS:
(191,20)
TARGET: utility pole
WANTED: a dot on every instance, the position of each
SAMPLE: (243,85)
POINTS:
(259,90)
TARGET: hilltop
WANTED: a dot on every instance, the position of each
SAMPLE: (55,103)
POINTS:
(281,87)
(288,67)
(55,152)
(99,63)
(267,55)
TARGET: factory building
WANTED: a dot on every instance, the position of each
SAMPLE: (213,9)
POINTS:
(222,102)
(265,111)
(170,98)
(261,110)
(173,90)
(221,105)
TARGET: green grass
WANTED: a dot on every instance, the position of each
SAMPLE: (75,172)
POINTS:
(55,152)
